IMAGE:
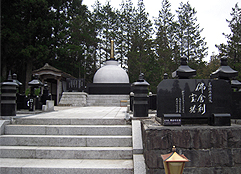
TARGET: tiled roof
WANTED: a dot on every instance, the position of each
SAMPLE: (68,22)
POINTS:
(47,67)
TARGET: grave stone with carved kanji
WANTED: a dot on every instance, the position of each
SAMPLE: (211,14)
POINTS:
(192,100)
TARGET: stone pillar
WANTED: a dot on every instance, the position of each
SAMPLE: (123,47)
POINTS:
(58,83)
(8,97)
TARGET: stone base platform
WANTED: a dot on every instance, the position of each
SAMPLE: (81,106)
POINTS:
(84,99)
(106,100)
(73,99)
(210,149)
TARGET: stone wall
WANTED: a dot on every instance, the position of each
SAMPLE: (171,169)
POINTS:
(212,150)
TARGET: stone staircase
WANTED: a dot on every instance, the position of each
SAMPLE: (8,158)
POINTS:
(83,146)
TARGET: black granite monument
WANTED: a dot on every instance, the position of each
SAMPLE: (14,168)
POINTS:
(196,101)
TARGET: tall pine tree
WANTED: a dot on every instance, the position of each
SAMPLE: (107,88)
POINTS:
(233,47)
(191,44)
(165,39)
(141,48)
(123,43)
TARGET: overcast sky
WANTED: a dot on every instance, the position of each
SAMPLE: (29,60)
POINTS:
(211,15)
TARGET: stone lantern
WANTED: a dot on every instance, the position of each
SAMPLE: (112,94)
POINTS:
(224,71)
(34,84)
(16,80)
(8,97)
(184,71)
(46,95)
(140,102)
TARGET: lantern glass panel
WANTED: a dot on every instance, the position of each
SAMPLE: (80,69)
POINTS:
(176,167)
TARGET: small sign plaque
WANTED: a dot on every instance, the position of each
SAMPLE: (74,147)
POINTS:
(172,120)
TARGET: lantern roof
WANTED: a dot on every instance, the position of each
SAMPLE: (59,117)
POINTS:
(141,81)
(184,71)
(35,82)
(224,71)
(174,157)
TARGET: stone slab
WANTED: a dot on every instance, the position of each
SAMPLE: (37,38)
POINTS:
(54,166)
(137,137)
(35,152)
(67,140)
(139,164)
(106,100)
(99,112)
(68,129)
(73,99)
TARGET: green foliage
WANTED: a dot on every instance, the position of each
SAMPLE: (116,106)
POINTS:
(233,47)
(37,91)
(27,91)
(192,45)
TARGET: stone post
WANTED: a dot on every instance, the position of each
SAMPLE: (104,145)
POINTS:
(140,103)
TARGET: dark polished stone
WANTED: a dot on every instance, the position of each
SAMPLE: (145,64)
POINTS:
(224,71)
(75,84)
(195,99)
(109,88)
(140,102)
(184,71)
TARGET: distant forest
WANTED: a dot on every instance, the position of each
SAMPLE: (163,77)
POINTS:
(70,37)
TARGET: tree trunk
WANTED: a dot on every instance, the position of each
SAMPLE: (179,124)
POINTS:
(4,71)
(28,75)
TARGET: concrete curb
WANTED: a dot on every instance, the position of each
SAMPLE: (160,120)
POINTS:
(138,158)
(137,137)
(2,125)
(139,164)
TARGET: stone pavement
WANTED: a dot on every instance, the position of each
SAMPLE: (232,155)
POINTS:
(98,112)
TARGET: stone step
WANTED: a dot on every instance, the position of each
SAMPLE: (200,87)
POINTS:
(73,166)
(68,129)
(35,152)
(66,140)
(70,121)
